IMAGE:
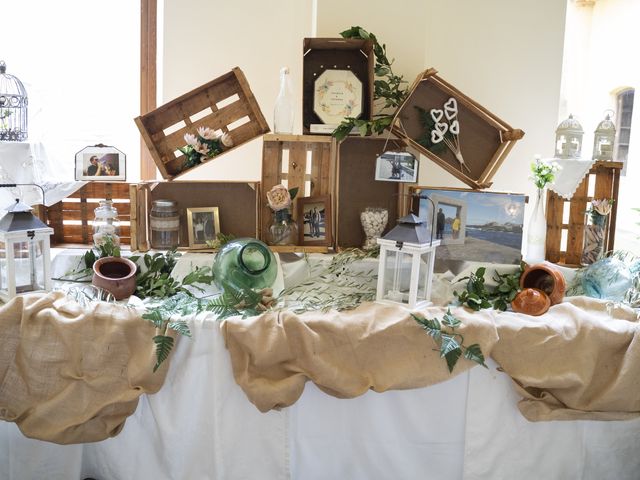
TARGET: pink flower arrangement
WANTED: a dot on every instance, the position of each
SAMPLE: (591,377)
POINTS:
(205,145)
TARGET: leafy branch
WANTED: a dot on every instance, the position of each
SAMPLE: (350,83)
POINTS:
(477,296)
(387,90)
(451,349)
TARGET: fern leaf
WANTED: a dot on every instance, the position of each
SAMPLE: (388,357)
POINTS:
(164,345)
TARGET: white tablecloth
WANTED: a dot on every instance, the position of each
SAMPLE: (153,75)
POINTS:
(201,426)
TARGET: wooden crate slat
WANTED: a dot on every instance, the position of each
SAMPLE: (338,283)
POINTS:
(606,176)
(101,190)
(162,146)
(319,149)
(78,232)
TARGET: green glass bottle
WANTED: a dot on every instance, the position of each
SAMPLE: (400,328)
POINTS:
(245,263)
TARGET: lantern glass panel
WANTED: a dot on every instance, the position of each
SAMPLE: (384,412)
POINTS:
(29,261)
(397,275)
(424,277)
(3,269)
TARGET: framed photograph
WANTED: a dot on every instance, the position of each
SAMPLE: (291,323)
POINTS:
(314,220)
(397,167)
(473,226)
(337,94)
(101,163)
(203,224)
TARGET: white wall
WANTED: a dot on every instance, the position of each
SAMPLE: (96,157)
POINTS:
(204,39)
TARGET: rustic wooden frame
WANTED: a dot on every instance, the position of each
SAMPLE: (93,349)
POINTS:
(484,147)
(71,217)
(320,150)
(336,53)
(328,220)
(607,184)
(234,214)
(163,129)
(148,76)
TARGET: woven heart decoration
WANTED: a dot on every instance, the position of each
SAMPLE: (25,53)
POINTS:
(436,114)
(454,127)
(451,108)
(436,136)
(442,127)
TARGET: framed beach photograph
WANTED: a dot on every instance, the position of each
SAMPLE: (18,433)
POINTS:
(474,226)
(101,163)
(314,220)
(203,224)
(397,167)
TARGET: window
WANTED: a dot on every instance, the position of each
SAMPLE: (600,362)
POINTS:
(624,107)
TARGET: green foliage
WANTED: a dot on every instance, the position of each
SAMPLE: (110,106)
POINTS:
(477,296)
(85,267)
(193,157)
(220,241)
(164,345)
(543,173)
(451,344)
(425,139)
(387,90)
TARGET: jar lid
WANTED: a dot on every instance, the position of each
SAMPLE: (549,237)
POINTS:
(164,203)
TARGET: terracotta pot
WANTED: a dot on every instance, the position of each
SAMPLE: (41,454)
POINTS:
(531,301)
(116,275)
(546,278)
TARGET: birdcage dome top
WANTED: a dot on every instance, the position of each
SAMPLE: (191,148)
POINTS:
(12,92)
(570,125)
(606,126)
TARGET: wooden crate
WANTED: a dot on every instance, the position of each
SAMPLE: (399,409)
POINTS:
(358,189)
(320,54)
(225,104)
(485,140)
(303,161)
(237,203)
(72,218)
(566,218)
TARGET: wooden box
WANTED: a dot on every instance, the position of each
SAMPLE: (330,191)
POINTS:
(322,54)
(225,104)
(484,139)
(303,161)
(237,203)
(72,218)
(358,189)
(566,218)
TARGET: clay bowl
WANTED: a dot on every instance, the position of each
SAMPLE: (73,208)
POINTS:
(116,275)
(545,278)
(531,301)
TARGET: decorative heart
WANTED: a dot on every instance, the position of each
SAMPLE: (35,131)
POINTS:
(451,108)
(436,136)
(454,127)
(442,127)
(436,114)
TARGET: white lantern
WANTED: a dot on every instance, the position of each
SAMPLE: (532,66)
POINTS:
(603,139)
(25,256)
(407,255)
(569,139)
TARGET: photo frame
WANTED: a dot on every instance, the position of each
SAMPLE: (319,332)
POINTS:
(100,163)
(203,224)
(314,221)
(397,167)
(473,226)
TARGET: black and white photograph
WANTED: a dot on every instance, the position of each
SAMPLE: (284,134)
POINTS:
(474,226)
(101,163)
(397,167)
(203,226)
(314,220)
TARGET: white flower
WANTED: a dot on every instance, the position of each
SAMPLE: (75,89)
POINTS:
(279,198)
(226,140)
(201,148)
(602,207)
(207,133)
(191,139)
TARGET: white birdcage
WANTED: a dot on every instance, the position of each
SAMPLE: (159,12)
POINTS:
(13,107)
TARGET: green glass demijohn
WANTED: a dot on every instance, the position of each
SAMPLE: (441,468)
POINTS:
(245,263)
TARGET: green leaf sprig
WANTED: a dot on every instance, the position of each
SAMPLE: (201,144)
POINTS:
(387,90)
(477,296)
(451,344)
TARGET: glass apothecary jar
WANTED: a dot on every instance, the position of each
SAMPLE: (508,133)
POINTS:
(374,221)
(164,224)
(106,225)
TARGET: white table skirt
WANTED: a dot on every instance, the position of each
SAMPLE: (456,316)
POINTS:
(201,426)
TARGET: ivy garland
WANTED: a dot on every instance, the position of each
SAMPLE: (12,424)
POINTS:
(387,90)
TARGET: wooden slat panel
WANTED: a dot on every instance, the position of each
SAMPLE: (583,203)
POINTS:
(78,231)
(575,236)
(555,210)
(296,171)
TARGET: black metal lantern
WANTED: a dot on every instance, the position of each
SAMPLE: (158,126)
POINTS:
(13,107)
